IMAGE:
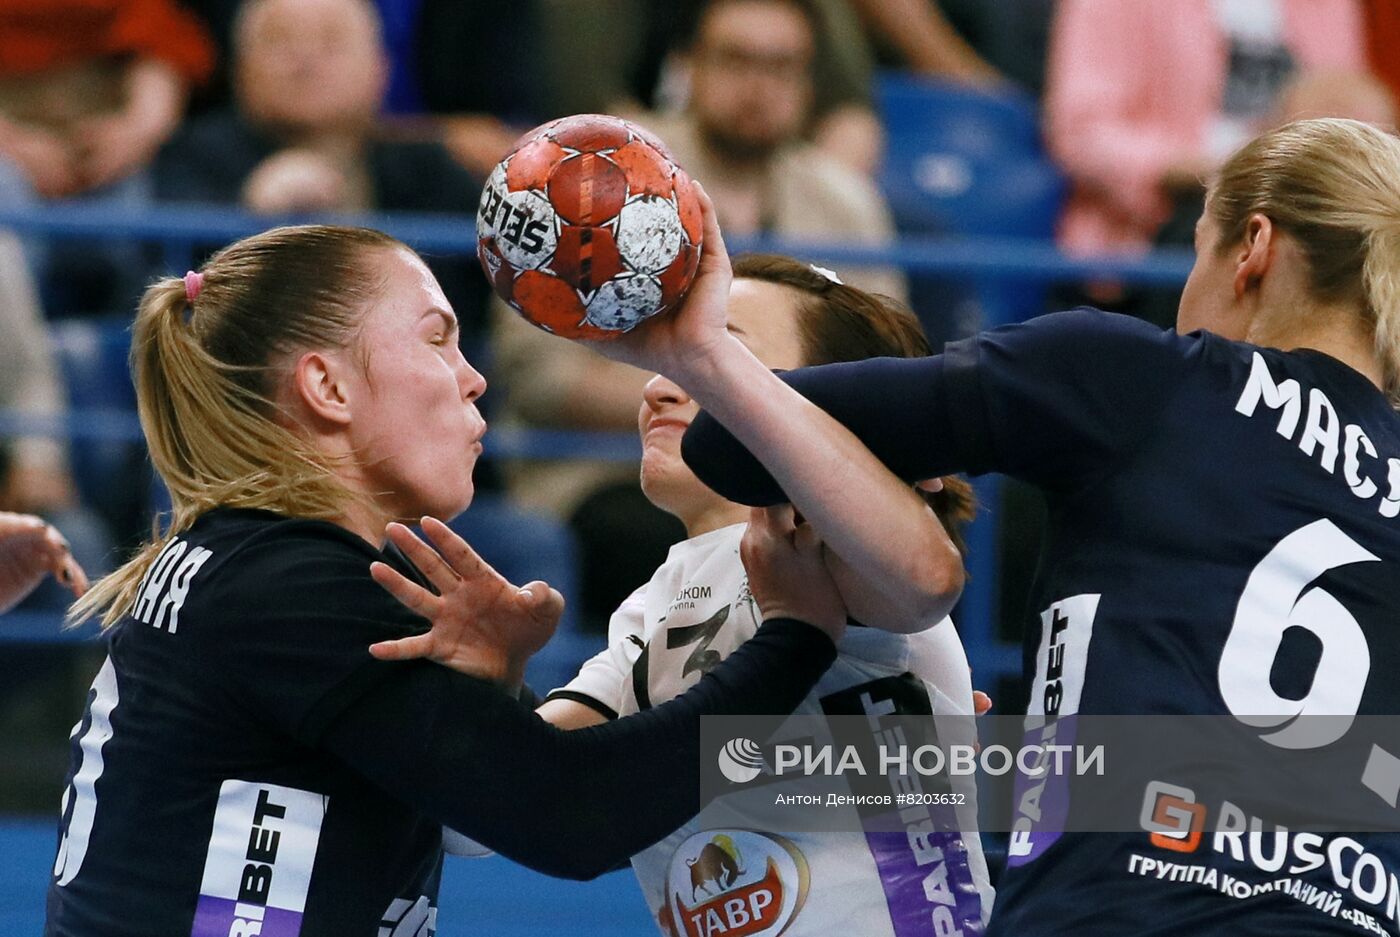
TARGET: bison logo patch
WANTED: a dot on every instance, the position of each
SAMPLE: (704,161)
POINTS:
(734,883)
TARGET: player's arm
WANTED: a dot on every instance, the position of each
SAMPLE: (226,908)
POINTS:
(594,695)
(472,757)
(570,714)
(860,509)
(1057,402)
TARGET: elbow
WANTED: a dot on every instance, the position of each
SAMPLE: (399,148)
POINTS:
(579,855)
(939,581)
(577,865)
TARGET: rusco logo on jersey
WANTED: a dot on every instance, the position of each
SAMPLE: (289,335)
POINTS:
(1243,856)
(734,883)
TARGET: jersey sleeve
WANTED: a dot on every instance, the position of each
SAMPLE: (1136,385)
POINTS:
(1054,401)
(602,678)
(297,658)
(574,803)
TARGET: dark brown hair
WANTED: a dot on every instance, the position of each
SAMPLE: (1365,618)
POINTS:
(837,323)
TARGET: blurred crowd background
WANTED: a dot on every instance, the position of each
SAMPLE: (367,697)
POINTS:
(1089,124)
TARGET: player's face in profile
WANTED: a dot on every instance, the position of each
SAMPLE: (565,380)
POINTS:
(414,424)
(1207,301)
(763,316)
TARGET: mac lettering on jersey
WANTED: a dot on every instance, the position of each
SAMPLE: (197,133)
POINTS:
(1323,435)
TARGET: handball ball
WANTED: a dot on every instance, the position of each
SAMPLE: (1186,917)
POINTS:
(588,227)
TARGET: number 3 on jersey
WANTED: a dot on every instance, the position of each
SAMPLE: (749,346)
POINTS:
(79,807)
(1278,597)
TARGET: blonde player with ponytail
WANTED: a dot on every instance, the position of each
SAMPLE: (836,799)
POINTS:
(1223,534)
(245,764)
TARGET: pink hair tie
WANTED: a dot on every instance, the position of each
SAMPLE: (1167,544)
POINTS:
(194,282)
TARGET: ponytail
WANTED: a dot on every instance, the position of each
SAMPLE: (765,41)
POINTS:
(1381,273)
(1334,185)
(206,374)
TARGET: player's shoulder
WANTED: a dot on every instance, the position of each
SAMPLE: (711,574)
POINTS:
(262,571)
(269,548)
(1089,344)
(1089,325)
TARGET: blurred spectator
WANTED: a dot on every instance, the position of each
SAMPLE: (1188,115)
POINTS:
(925,41)
(1012,36)
(1383,31)
(751,85)
(476,103)
(34,476)
(1144,98)
(310,77)
(34,472)
(617,55)
(89,89)
(1355,95)
(486,99)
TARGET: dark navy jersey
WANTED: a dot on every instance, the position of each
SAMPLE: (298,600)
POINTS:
(243,766)
(1205,497)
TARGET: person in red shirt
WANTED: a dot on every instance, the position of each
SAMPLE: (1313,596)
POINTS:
(1383,40)
(89,89)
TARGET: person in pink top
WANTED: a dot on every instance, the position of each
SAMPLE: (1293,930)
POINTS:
(1146,97)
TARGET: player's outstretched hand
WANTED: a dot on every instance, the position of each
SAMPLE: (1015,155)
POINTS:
(29,550)
(481,624)
(787,571)
(681,341)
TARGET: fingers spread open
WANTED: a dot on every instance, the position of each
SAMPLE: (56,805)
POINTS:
(427,560)
(410,594)
(459,555)
(544,604)
(419,645)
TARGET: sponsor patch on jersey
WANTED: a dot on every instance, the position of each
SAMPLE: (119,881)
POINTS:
(1042,804)
(261,854)
(734,883)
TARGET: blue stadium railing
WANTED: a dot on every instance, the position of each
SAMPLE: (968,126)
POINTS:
(990,264)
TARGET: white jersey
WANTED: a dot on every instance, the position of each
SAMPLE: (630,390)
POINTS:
(696,609)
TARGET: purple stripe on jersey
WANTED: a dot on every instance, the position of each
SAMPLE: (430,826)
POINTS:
(928,883)
(215,917)
(1040,806)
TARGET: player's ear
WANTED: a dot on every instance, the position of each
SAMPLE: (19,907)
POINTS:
(1254,255)
(320,384)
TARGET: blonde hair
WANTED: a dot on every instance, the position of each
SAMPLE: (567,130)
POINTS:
(1334,186)
(206,375)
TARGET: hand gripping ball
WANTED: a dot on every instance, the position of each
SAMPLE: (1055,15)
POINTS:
(588,227)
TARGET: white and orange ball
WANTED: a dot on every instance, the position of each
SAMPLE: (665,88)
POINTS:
(589,227)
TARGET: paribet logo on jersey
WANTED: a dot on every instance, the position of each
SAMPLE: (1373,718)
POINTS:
(261,853)
(1042,802)
(734,883)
